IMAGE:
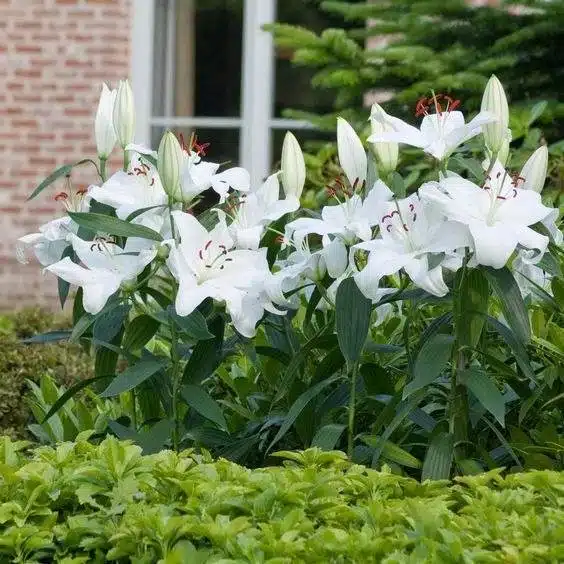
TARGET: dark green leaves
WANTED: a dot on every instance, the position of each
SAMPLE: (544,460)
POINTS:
(65,170)
(430,362)
(352,319)
(134,375)
(486,392)
(511,301)
(471,306)
(199,400)
(194,325)
(113,226)
(139,332)
(438,459)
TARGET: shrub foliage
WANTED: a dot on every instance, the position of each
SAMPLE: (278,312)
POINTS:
(83,503)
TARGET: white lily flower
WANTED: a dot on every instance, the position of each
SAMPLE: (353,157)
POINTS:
(351,220)
(440,133)
(497,215)
(199,175)
(48,244)
(303,266)
(494,102)
(124,114)
(103,124)
(352,156)
(293,170)
(205,265)
(254,211)
(386,153)
(130,191)
(410,232)
(106,267)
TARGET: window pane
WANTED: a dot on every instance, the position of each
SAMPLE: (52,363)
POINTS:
(198,53)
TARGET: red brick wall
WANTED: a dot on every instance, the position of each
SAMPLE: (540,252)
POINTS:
(54,55)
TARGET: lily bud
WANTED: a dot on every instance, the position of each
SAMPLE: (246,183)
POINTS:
(124,114)
(386,153)
(170,158)
(494,101)
(351,154)
(535,169)
(103,124)
(292,167)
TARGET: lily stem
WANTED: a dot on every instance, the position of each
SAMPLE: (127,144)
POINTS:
(353,371)
(176,377)
(102,169)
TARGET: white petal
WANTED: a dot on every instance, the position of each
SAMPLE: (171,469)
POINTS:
(493,244)
(352,156)
(429,280)
(237,178)
(293,170)
(336,258)
(190,296)
(193,234)
(535,169)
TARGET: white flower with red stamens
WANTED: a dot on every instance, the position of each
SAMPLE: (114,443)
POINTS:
(498,214)
(440,133)
(198,175)
(130,191)
(350,220)
(104,267)
(411,232)
(205,265)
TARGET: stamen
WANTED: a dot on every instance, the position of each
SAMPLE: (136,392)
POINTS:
(207,245)
(61,196)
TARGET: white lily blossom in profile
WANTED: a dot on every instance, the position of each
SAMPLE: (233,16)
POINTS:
(251,213)
(530,277)
(140,187)
(350,220)
(205,265)
(304,266)
(411,232)
(103,268)
(440,133)
(51,240)
(104,131)
(292,168)
(499,215)
(352,156)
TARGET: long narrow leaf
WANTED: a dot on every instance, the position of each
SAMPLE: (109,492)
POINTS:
(134,375)
(438,460)
(59,173)
(114,226)
(199,400)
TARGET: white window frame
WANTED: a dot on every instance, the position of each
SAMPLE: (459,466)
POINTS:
(257,86)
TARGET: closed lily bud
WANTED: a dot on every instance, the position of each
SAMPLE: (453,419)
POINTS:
(170,159)
(494,101)
(352,156)
(103,124)
(292,167)
(533,173)
(124,114)
(386,153)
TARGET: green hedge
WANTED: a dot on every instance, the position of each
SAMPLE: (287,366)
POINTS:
(20,362)
(84,503)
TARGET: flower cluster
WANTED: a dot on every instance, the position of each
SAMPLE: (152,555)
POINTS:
(444,224)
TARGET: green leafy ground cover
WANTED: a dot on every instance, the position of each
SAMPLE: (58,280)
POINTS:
(84,503)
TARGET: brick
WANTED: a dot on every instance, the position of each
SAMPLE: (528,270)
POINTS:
(53,56)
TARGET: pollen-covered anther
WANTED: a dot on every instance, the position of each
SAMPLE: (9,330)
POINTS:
(61,196)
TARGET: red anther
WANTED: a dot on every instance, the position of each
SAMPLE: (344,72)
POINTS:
(453,105)
(130,174)
(414,218)
(279,239)
(421,107)
(411,207)
(200,254)
(395,212)
(198,148)
(514,193)
(389,216)
(182,142)
(405,227)
(82,191)
(152,182)
(389,227)
(207,245)
(61,196)
(355,183)
(501,198)
(515,179)
(222,247)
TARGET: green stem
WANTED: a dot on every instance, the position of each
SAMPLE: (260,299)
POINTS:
(126,160)
(352,404)
(102,169)
(133,409)
(175,375)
